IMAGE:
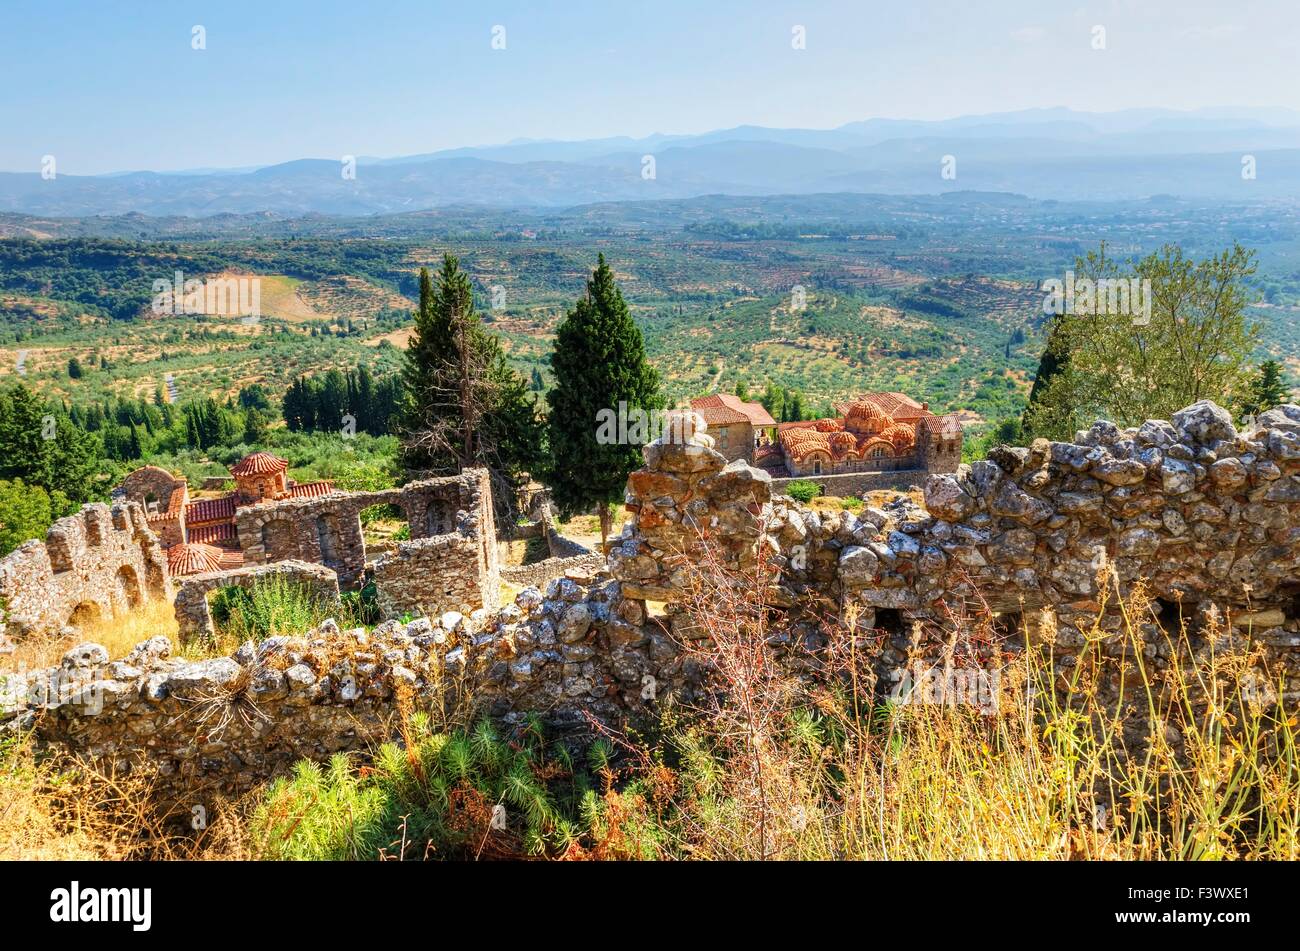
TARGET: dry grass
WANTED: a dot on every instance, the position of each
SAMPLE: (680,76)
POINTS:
(119,635)
(772,766)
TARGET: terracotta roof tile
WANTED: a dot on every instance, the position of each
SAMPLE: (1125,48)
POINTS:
(723,409)
(208,534)
(311,490)
(259,463)
(193,559)
(210,510)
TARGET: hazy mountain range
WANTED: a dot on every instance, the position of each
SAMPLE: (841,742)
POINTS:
(1046,153)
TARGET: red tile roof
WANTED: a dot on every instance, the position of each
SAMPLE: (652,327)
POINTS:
(311,490)
(723,409)
(897,406)
(210,510)
(193,559)
(259,463)
(209,534)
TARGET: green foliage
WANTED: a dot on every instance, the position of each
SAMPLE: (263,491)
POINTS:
(320,403)
(600,368)
(435,798)
(803,490)
(41,445)
(26,512)
(272,606)
(1118,366)
(1008,432)
(1266,389)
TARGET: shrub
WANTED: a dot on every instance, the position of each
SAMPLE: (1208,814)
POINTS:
(476,793)
(803,490)
(271,606)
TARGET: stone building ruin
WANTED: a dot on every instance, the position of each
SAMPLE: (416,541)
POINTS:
(98,564)
(1207,518)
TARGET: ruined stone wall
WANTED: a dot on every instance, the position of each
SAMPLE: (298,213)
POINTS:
(1197,512)
(848,484)
(327,530)
(540,572)
(219,727)
(96,564)
(453,570)
(1205,518)
(194,615)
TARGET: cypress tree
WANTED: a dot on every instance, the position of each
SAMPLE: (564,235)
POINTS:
(599,362)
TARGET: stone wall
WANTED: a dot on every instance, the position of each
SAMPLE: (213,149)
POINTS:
(1204,516)
(454,569)
(327,530)
(849,484)
(539,572)
(219,727)
(97,564)
(194,616)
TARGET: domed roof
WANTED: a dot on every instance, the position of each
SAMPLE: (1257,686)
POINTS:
(828,425)
(259,463)
(842,442)
(193,559)
(900,435)
(865,409)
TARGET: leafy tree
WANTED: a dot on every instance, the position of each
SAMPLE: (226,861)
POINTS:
(75,372)
(26,512)
(599,362)
(1127,368)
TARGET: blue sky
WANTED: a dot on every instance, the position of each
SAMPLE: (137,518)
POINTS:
(109,85)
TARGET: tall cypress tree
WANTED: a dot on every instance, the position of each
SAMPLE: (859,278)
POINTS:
(599,362)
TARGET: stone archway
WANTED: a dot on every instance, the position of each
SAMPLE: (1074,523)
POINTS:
(329,537)
(87,612)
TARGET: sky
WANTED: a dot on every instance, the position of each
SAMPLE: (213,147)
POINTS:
(112,85)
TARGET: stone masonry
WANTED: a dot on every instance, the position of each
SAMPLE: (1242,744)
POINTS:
(194,614)
(97,564)
(1206,517)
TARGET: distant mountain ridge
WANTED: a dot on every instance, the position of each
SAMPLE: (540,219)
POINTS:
(1044,153)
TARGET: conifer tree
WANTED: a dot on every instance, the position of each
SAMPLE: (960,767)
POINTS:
(463,404)
(599,362)
(1265,389)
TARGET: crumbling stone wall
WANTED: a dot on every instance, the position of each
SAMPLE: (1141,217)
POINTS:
(222,726)
(327,530)
(1191,508)
(194,615)
(97,564)
(1203,516)
(539,572)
